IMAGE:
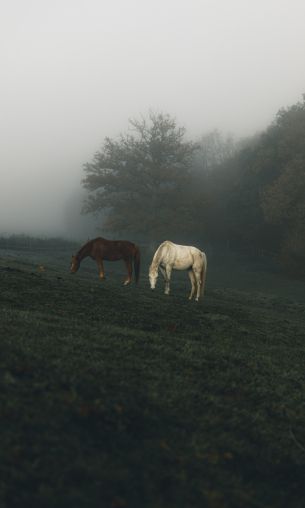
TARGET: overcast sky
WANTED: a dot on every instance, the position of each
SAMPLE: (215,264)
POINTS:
(74,71)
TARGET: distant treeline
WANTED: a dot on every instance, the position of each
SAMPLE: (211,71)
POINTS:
(34,243)
(256,199)
(247,195)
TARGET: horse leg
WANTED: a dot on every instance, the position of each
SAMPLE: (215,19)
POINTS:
(101,271)
(197,274)
(166,280)
(193,283)
(168,271)
(128,264)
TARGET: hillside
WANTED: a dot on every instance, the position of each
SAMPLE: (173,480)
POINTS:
(122,397)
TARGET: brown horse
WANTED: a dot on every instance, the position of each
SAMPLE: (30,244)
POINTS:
(101,249)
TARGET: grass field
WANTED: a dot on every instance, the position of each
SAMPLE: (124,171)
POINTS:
(121,397)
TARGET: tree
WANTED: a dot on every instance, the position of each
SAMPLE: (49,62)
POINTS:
(283,202)
(212,184)
(139,180)
(265,205)
(213,149)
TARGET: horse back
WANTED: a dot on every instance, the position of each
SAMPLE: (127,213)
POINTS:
(181,257)
(112,250)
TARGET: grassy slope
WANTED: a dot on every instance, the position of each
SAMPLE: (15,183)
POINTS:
(120,397)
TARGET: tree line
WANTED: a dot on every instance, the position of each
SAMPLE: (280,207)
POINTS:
(153,183)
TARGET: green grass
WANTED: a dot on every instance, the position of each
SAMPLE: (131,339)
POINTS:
(119,397)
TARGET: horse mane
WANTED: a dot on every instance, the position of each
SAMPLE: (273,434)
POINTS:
(157,255)
(85,247)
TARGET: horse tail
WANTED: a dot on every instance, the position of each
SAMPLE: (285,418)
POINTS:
(203,273)
(136,263)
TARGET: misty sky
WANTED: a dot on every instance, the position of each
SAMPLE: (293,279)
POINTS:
(74,71)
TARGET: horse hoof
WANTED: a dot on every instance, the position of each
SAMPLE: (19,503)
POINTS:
(126,282)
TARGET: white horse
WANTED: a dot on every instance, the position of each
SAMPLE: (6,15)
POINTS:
(170,256)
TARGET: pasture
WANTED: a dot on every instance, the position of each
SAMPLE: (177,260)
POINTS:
(119,397)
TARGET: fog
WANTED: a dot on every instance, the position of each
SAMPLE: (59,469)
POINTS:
(74,71)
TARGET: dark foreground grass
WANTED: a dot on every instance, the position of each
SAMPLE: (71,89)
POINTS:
(118,397)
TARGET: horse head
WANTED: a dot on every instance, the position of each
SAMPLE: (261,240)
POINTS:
(74,264)
(153,275)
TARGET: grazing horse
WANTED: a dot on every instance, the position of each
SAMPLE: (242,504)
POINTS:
(101,249)
(170,256)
